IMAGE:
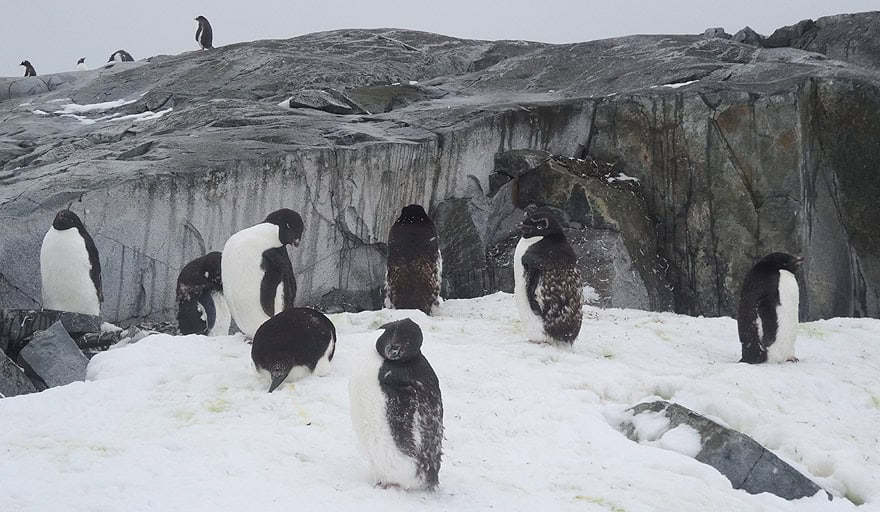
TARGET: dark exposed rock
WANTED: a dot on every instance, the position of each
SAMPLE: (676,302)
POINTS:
(739,150)
(331,101)
(785,36)
(748,36)
(13,381)
(52,357)
(747,464)
(717,32)
(844,37)
(18,325)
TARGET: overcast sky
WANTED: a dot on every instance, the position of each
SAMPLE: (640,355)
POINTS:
(53,34)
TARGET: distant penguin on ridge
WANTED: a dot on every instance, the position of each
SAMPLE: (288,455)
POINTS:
(397,409)
(28,68)
(415,266)
(204,34)
(120,56)
(81,64)
(70,268)
(201,307)
(547,282)
(767,319)
(292,344)
(257,275)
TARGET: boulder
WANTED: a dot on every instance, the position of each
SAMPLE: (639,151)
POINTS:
(52,357)
(17,325)
(13,381)
(748,36)
(747,464)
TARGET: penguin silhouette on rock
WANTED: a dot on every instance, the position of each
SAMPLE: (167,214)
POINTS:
(415,266)
(397,410)
(294,343)
(767,319)
(258,280)
(547,283)
(28,68)
(70,268)
(204,34)
(201,307)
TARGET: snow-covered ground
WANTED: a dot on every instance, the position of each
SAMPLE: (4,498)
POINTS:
(185,423)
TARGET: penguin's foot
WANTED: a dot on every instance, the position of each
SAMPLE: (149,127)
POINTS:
(792,359)
(383,485)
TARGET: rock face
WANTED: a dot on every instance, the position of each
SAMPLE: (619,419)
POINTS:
(738,151)
(747,464)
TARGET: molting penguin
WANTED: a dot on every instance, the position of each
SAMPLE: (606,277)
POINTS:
(294,343)
(547,282)
(204,34)
(397,410)
(81,64)
(201,307)
(70,268)
(414,268)
(120,56)
(768,310)
(28,68)
(258,280)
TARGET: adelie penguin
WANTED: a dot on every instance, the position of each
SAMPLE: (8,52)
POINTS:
(547,282)
(70,268)
(397,410)
(204,34)
(201,307)
(292,344)
(257,275)
(415,266)
(81,64)
(120,56)
(767,319)
(28,68)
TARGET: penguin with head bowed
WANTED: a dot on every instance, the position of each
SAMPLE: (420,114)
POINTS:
(767,319)
(257,275)
(70,268)
(120,56)
(204,34)
(201,307)
(397,409)
(292,344)
(414,266)
(547,281)
(81,64)
(28,68)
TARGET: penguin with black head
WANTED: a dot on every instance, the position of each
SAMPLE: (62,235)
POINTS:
(547,282)
(256,272)
(414,266)
(767,319)
(204,34)
(70,268)
(201,306)
(28,68)
(120,56)
(397,409)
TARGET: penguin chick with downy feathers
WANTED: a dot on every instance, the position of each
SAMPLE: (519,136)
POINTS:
(415,266)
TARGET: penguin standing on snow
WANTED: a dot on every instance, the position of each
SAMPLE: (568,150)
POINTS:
(28,68)
(70,268)
(768,310)
(81,64)
(201,307)
(204,34)
(120,56)
(257,275)
(397,410)
(414,268)
(547,282)
(294,343)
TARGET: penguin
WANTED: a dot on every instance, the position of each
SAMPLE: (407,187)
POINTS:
(767,319)
(120,56)
(257,275)
(547,282)
(294,343)
(28,68)
(414,266)
(397,409)
(201,307)
(70,268)
(81,64)
(204,34)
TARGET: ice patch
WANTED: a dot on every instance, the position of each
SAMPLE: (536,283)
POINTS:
(675,85)
(73,108)
(621,177)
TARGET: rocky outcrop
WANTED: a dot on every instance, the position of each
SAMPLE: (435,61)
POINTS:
(737,151)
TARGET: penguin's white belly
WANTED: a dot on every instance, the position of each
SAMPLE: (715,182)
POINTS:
(64,268)
(221,316)
(533,324)
(388,465)
(787,316)
(242,276)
